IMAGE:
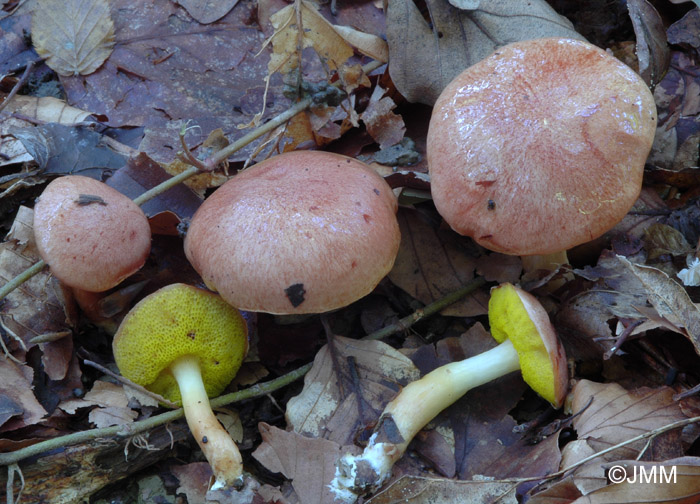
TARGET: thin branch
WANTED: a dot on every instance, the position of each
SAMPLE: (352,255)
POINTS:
(18,85)
(128,430)
(427,310)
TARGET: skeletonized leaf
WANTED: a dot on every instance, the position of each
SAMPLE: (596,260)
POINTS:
(75,36)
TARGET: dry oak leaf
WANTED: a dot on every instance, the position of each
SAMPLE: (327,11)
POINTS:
(423,59)
(611,415)
(75,36)
(47,109)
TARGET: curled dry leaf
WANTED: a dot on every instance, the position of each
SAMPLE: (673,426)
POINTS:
(47,109)
(424,59)
(653,53)
(112,405)
(383,125)
(430,264)
(75,36)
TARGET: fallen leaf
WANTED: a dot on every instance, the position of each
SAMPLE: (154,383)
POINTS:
(669,298)
(16,386)
(431,263)
(62,149)
(8,409)
(47,109)
(386,127)
(194,480)
(208,11)
(645,483)
(308,462)
(75,36)
(326,408)
(423,59)
(420,490)
(653,53)
(610,415)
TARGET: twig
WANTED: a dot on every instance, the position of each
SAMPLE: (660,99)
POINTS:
(21,278)
(130,384)
(18,86)
(427,310)
(125,431)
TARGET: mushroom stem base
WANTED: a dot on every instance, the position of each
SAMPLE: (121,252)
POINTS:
(216,444)
(417,404)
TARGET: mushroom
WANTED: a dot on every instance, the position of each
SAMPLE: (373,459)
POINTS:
(91,235)
(527,342)
(540,147)
(302,232)
(187,344)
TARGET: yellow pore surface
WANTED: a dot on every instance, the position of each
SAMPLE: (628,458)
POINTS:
(510,318)
(175,321)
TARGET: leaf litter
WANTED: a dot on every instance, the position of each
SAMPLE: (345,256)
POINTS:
(624,314)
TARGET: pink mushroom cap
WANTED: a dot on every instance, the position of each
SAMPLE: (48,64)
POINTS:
(91,235)
(540,147)
(302,232)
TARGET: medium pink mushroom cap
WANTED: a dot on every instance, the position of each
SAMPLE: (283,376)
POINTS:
(91,235)
(302,232)
(540,147)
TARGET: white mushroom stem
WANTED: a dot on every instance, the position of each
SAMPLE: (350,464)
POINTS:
(216,444)
(417,404)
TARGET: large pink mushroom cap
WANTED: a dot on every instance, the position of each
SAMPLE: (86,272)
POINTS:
(91,235)
(302,232)
(540,147)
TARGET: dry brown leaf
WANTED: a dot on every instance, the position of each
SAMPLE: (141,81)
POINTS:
(16,384)
(383,125)
(317,33)
(324,409)
(615,415)
(47,109)
(194,480)
(669,298)
(309,463)
(678,484)
(366,43)
(431,264)
(424,59)
(418,490)
(208,11)
(75,36)
(40,306)
(653,53)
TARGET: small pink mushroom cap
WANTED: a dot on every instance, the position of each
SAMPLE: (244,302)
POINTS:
(91,236)
(302,232)
(540,147)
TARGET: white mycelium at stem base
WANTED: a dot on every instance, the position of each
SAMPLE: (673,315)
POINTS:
(216,444)
(417,404)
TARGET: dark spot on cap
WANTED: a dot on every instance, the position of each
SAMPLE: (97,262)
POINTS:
(376,191)
(353,264)
(295,293)
(204,440)
(491,205)
(367,218)
(191,335)
(486,236)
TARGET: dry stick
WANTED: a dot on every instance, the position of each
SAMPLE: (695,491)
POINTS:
(129,430)
(427,310)
(249,393)
(18,85)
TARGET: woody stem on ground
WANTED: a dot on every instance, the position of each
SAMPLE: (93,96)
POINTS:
(257,390)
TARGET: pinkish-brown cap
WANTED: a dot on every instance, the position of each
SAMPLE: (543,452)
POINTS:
(302,232)
(91,236)
(540,147)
